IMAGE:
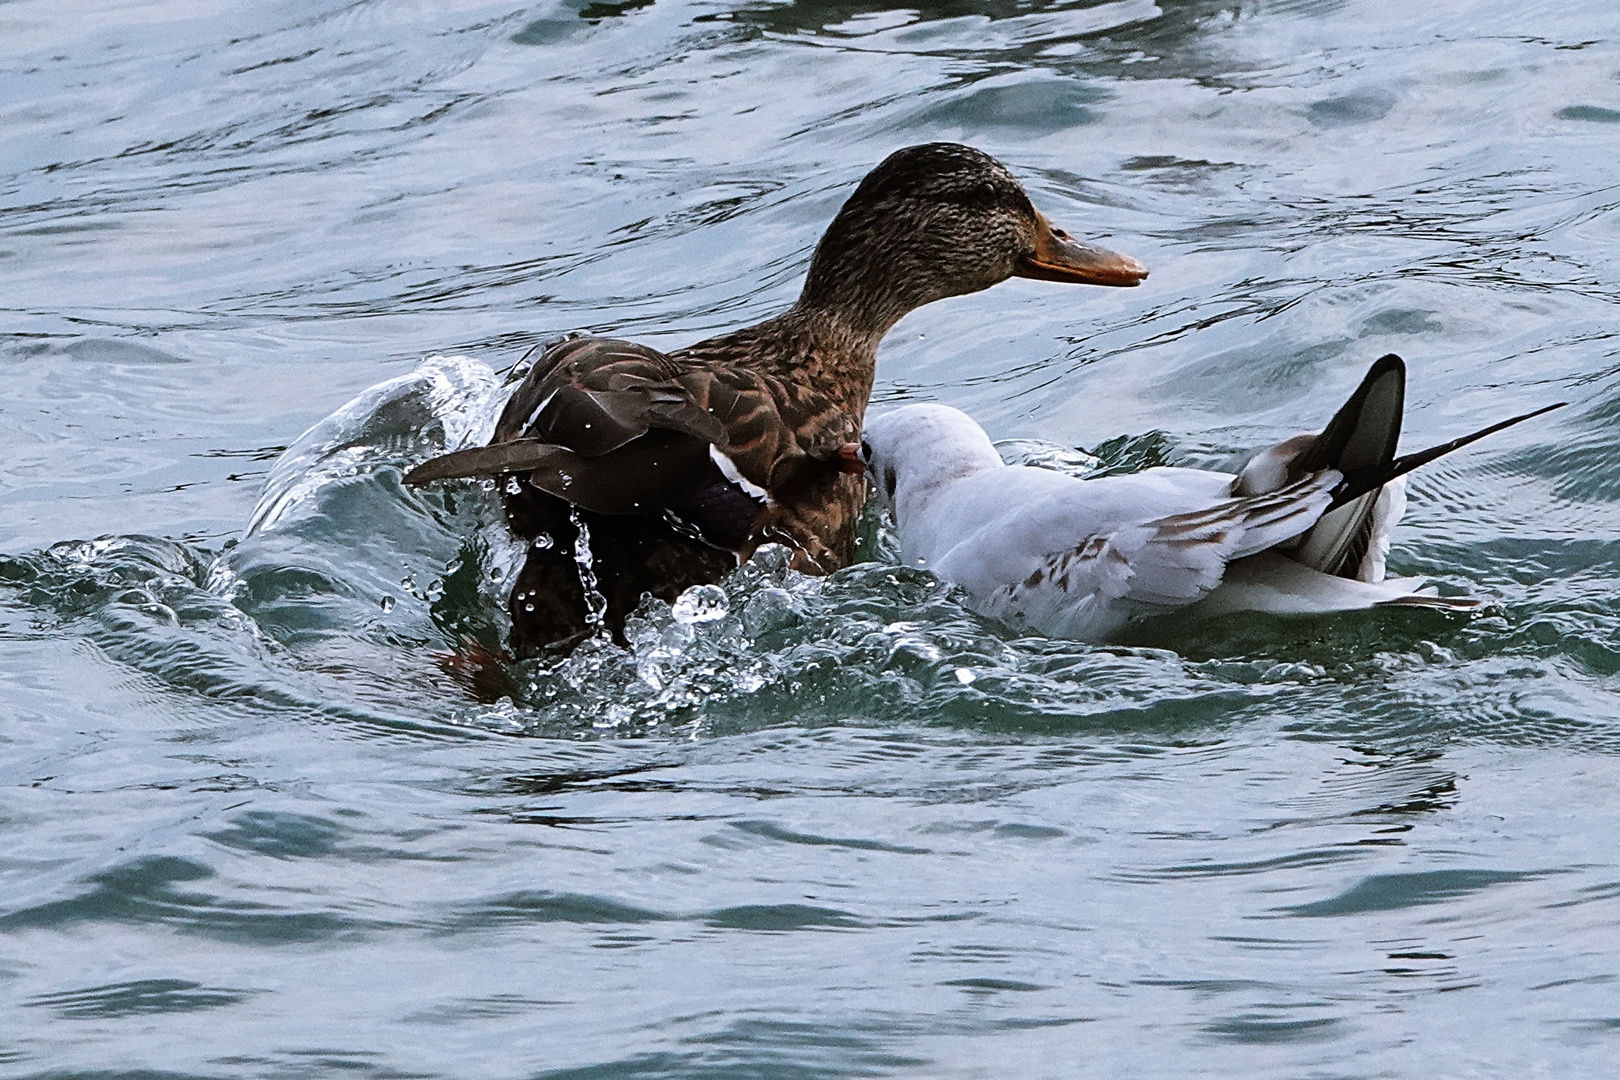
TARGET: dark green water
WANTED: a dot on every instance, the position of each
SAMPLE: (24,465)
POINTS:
(845,828)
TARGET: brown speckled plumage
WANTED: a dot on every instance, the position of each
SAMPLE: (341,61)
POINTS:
(616,436)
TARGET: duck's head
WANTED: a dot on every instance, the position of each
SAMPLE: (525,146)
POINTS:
(942,220)
(911,450)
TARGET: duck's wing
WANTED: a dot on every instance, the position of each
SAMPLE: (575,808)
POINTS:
(620,428)
(1118,571)
(608,426)
(594,395)
(588,396)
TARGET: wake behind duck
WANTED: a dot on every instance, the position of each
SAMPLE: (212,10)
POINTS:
(1303,528)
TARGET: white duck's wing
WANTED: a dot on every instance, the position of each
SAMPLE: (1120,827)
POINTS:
(1072,566)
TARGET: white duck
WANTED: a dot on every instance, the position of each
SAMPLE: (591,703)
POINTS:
(1303,528)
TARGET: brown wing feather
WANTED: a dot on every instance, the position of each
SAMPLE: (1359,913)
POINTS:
(594,395)
(645,476)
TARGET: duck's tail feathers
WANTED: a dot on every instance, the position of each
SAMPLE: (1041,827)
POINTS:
(1359,440)
(1357,483)
(1364,431)
(519,455)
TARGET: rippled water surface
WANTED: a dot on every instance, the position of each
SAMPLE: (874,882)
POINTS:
(257,825)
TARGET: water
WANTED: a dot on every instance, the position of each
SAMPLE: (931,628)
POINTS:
(258,821)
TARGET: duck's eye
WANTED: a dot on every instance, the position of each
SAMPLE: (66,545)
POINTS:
(888,482)
(866,451)
(1060,234)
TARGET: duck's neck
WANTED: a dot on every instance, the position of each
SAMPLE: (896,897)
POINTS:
(808,346)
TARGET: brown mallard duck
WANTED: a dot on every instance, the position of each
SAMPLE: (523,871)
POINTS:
(670,468)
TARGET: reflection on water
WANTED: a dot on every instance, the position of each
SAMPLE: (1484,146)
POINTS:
(274,806)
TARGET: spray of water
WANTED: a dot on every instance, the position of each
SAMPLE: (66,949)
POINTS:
(595,602)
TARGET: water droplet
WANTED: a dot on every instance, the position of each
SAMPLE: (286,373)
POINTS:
(387,604)
(700,604)
(513,486)
(487,485)
(528,607)
(964,676)
(543,542)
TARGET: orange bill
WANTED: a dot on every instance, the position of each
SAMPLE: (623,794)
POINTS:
(1060,257)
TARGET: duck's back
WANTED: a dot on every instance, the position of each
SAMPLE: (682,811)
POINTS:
(998,521)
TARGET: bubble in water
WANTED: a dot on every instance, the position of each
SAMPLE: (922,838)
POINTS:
(772,558)
(496,573)
(700,604)
(513,485)
(544,542)
(387,603)
(163,613)
(487,485)
(769,609)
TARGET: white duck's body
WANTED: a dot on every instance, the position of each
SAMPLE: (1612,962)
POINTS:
(1082,558)
(1079,558)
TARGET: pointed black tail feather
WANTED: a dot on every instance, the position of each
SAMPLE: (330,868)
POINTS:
(1362,436)
(1358,482)
(1363,433)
